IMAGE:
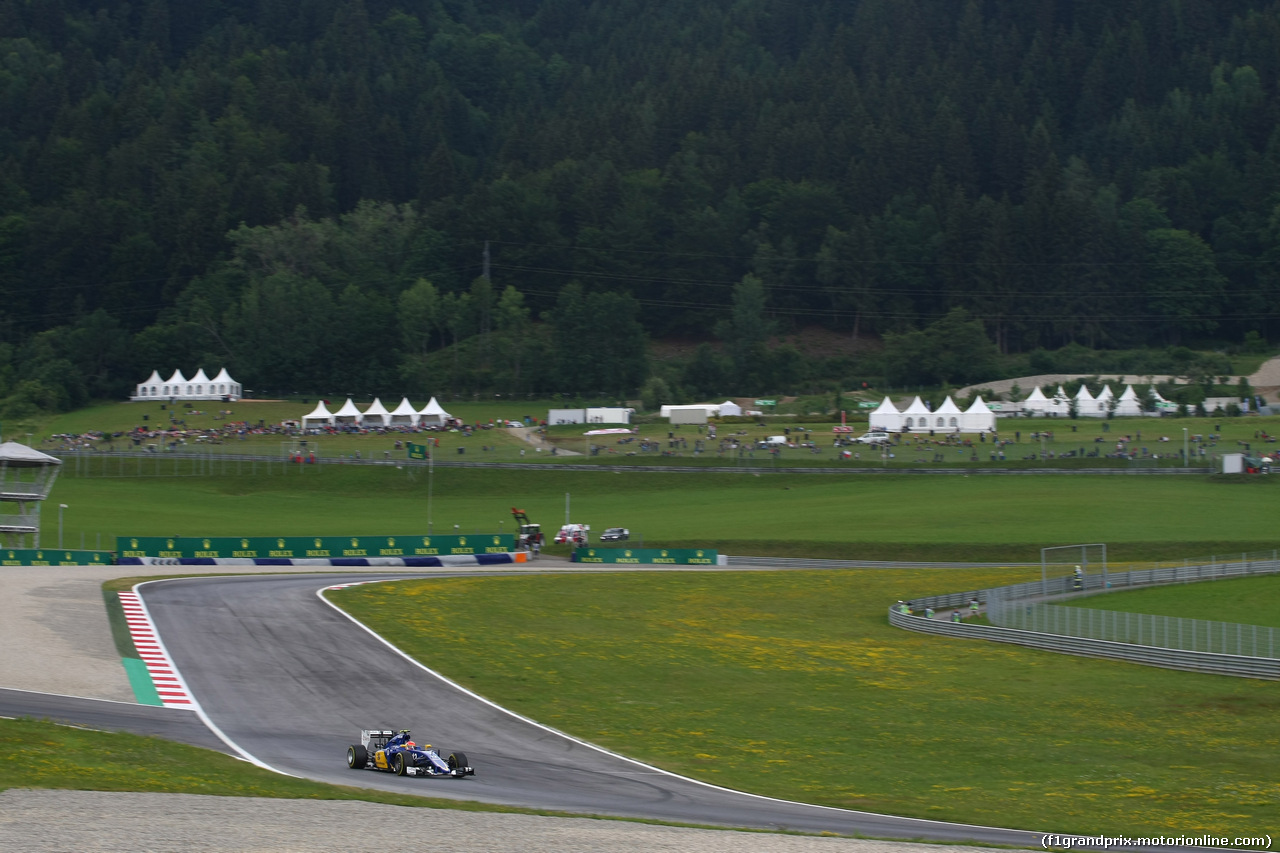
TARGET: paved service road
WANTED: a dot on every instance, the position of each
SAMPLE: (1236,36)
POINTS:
(292,682)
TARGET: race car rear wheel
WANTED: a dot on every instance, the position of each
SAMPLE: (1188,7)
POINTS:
(357,757)
(458,762)
(399,766)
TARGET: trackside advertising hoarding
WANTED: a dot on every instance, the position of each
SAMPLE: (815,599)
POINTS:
(674,556)
(317,547)
(53,557)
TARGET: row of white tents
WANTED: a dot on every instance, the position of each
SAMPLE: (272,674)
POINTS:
(198,387)
(948,418)
(433,414)
(980,417)
(1106,404)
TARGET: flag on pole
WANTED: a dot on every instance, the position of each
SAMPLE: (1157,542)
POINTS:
(417,451)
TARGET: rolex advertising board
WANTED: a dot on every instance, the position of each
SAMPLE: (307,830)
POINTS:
(660,556)
(314,547)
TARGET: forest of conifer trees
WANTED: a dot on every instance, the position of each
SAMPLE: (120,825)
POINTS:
(305,191)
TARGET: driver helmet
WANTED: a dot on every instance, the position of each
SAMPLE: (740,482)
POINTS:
(410,744)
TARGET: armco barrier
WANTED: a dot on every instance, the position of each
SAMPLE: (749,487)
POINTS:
(53,557)
(1023,616)
(1219,664)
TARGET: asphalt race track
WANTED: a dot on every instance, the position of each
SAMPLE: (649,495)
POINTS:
(291,682)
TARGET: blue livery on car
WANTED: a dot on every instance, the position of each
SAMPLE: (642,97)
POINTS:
(394,752)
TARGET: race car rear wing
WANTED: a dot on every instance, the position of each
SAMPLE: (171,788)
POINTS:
(368,735)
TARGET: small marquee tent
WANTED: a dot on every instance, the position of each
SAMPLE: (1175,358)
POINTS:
(1036,403)
(404,414)
(378,412)
(1128,405)
(886,417)
(978,417)
(348,414)
(947,417)
(224,386)
(433,414)
(1060,404)
(916,416)
(320,416)
(728,408)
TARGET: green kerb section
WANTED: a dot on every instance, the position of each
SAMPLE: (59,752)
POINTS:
(144,690)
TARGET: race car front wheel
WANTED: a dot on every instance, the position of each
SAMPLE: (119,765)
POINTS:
(458,762)
(357,757)
(399,766)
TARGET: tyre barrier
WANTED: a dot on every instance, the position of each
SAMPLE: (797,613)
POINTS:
(456,561)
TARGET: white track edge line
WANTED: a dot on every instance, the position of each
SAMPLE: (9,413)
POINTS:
(320,594)
(195,705)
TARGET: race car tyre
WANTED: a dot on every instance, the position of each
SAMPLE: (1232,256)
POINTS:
(399,766)
(458,761)
(357,757)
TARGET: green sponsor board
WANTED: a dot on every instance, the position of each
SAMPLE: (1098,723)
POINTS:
(416,451)
(312,547)
(674,556)
(53,557)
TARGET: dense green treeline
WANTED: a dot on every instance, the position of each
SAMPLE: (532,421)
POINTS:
(304,191)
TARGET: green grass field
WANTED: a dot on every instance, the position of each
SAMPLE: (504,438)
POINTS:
(868,516)
(1248,601)
(792,684)
(499,445)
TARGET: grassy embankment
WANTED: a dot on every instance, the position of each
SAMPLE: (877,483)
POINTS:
(501,445)
(793,685)
(871,517)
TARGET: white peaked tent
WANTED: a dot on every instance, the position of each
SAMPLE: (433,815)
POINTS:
(348,414)
(224,386)
(1036,403)
(1104,401)
(978,418)
(886,417)
(198,385)
(916,416)
(728,407)
(174,385)
(1128,405)
(319,416)
(947,417)
(1060,405)
(1086,405)
(434,414)
(404,413)
(150,388)
(377,411)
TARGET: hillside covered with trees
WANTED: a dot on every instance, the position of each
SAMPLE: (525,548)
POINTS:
(305,192)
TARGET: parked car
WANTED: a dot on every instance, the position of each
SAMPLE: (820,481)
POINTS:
(615,534)
(873,438)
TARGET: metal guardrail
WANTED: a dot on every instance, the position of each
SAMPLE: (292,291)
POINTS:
(804,563)
(1219,664)
(1024,617)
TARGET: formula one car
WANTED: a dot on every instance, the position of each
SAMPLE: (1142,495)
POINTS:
(381,749)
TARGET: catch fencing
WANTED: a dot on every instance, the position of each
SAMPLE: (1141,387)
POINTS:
(1023,614)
